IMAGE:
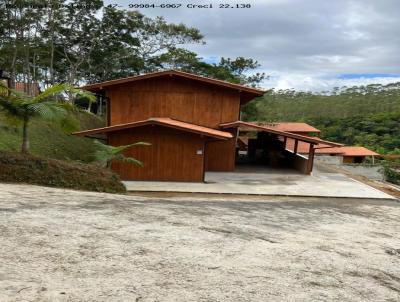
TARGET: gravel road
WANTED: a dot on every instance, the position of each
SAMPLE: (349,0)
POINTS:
(63,245)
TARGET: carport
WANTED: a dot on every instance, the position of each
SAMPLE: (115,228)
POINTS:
(267,146)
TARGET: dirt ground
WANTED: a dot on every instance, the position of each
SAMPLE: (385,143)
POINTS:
(61,245)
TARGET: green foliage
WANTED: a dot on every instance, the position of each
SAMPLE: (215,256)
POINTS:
(48,139)
(379,132)
(231,70)
(20,107)
(76,41)
(106,153)
(391,174)
(290,105)
(367,115)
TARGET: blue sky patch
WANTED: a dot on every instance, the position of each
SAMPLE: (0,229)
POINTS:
(211,59)
(347,76)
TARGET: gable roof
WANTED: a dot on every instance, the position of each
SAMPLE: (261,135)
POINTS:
(350,151)
(324,148)
(249,92)
(161,121)
(303,138)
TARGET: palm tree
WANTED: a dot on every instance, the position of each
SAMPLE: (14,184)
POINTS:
(106,153)
(22,108)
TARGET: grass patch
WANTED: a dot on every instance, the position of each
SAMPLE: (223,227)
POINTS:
(20,168)
(49,140)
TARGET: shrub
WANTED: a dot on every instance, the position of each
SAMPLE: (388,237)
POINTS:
(391,175)
(15,167)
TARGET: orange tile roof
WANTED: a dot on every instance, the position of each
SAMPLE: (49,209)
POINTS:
(161,121)
(303,147)
(245,125)
(350,151)
(289,127)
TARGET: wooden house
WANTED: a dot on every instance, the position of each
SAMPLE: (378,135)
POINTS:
(190,121)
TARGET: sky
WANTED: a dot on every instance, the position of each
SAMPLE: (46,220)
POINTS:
(302,44)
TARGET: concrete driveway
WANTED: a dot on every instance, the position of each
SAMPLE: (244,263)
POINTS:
(266,181)
(63,245)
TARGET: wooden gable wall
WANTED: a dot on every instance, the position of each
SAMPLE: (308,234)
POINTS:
(181,99)
(184,100)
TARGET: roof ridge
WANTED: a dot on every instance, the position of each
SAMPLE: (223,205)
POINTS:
(192,76)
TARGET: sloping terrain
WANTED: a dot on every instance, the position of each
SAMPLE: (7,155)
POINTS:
(30,169)
(49,140)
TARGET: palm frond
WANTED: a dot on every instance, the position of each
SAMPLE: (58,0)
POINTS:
(107,153)
(50,92)
(120,149)
(48,110)
(11,108)
(132,161)
(83,93)
(60,88)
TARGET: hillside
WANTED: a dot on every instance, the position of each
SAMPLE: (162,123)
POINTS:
(50,141)
(365,115)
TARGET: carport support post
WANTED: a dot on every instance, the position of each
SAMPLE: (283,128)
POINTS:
(284,141)
(310,163)
(296,143)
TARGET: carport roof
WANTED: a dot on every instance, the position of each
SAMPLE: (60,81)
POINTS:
(161,121)
(308,139)
(289,126)
(303,147)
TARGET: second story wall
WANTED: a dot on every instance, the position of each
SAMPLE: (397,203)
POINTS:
(182,99)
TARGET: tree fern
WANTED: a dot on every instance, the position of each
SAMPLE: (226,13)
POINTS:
(106,153)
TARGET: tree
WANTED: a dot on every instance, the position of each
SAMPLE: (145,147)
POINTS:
(83,41)
(78,36)
(21,108)
(231,70)
(107,153)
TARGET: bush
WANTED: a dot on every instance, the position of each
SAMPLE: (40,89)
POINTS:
(391,175)
(16,167)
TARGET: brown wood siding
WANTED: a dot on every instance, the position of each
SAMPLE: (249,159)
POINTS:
(221,155)
(171,157)
(176,98)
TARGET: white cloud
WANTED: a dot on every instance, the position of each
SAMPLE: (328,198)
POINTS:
(304,44)
(318,83)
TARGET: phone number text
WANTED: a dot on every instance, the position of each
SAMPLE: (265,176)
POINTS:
(190,5)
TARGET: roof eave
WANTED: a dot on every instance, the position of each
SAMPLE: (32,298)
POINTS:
(241,88)
(278,132)
(109,129)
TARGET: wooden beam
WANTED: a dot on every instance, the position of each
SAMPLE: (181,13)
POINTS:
(310,162)
(284,141)
(296,143)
